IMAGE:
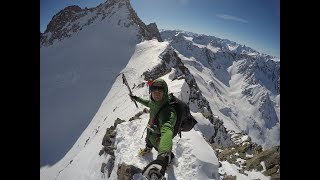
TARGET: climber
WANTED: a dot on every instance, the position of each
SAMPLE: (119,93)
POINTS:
(160,129)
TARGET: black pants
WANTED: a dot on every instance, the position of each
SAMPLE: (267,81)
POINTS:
(148,143)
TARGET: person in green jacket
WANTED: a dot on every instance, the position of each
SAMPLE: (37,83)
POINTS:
(159,130)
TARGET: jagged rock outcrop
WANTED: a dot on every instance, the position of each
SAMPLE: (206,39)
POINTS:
(137,116)
(61,24)
(221,137)
(66,15)
(108,147)
(144,30)
(267,111)
(219,63)
(154,31)
(108,139)
(230,178)
(124,171)
(258,69)
(248,156)
(271,159)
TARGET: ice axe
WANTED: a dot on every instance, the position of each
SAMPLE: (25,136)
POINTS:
(126,83)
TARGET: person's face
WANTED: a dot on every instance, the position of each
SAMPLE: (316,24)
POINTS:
(157,91)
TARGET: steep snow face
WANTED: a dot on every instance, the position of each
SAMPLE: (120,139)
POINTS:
(76,74)
(241,85)
(195,159)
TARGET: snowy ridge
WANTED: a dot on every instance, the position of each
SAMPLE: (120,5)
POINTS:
(209,41)
(118,105)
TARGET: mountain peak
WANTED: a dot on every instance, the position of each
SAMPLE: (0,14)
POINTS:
(118,13)
(72,8)
(62,17)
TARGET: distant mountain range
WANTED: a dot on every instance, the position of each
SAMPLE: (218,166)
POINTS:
(243,84)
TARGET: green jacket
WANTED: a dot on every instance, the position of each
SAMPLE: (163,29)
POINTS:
(166,120)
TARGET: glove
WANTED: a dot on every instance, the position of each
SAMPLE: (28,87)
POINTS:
(133,98)
(157,167)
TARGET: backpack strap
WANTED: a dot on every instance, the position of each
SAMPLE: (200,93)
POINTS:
(165,105)
(156,116)
(171,97)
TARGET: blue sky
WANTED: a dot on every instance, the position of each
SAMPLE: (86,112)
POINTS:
(254,23)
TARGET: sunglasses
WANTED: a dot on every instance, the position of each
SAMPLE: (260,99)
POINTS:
(156,88)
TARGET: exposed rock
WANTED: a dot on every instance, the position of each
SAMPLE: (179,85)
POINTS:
(156,72)
(271,158)
(153,29)
(229,177)
(141,85)
(143,29)
(275,176)
(103,167)
(258,149)
(258,68)
(242,172)
(108,167)
(58,26)
(252,155)
(267,110)
(108,138)
(108,147)
(137,116)
(118,121)
(125,172)
(271,171)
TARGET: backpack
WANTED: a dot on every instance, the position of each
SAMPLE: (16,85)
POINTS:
(185,121)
